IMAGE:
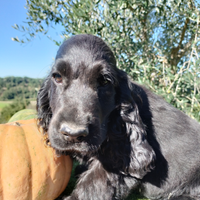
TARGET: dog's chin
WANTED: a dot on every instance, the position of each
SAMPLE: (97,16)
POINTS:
(79,149)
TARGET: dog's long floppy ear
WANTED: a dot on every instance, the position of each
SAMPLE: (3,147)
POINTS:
(142,156)
(43,108)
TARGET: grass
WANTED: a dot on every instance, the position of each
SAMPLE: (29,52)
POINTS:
(4,104)
(32,104)
(72,182)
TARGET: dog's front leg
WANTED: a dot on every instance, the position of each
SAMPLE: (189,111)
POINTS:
(98,184)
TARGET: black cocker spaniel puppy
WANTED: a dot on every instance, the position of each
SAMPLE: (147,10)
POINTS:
(128,137)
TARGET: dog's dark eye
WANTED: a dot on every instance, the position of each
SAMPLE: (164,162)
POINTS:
(57,77)
(103,81)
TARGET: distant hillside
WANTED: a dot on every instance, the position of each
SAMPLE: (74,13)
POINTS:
(12,88)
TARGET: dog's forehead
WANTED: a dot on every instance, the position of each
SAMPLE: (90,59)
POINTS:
(78,61)
(87,48)
(76,54)
(84,55)
(79,54)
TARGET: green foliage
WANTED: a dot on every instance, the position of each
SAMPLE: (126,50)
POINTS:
(18,88)
(156,42)
(3,104)
(8,111)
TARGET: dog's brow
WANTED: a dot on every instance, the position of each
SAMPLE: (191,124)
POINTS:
(100,67)
(62,67)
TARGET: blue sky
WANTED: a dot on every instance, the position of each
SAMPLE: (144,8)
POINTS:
(33,59)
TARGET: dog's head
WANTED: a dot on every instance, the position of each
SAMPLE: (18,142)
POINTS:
(81,93)
(87,104)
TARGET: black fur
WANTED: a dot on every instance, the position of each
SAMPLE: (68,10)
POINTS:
(128,137)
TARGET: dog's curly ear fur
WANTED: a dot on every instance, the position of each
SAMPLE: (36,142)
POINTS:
(142,155)
(43,108)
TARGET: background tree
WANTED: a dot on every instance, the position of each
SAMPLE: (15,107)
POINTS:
(156,41)
(8,111)
(19,88)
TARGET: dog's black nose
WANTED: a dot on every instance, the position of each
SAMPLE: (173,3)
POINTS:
(75,132)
